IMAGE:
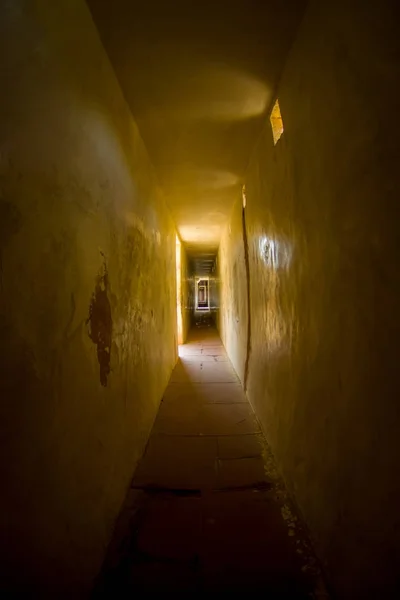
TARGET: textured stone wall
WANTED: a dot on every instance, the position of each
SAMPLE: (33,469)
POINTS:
(323,229)
(87,260)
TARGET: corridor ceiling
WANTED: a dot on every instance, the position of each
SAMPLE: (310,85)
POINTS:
(199,77)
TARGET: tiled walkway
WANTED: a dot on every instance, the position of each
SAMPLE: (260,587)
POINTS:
(207,512)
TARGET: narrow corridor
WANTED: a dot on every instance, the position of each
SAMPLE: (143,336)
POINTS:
(231,158)
(206,510)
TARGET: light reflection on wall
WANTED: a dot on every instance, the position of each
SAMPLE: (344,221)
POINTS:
(275,253)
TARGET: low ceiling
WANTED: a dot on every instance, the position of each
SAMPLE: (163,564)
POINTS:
(200,78)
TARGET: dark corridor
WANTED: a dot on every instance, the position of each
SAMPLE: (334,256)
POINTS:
(207,512)
(161,163)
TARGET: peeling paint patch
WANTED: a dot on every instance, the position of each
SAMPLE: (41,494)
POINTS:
(100,324)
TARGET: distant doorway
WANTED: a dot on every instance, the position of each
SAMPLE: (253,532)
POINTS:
(203,294)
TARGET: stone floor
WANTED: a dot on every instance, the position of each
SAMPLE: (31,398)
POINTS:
(207,512)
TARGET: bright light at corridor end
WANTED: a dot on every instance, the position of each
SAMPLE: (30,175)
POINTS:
(179,319)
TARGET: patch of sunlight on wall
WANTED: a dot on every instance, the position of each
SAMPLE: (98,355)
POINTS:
(276,122)
(276,253)
(179,291)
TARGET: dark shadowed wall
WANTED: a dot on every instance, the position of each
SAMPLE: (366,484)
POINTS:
(323,230)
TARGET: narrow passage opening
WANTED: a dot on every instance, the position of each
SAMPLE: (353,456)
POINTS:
(203,294)
(179,292)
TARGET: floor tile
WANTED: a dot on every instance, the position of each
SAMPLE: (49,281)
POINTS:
(178,462)
(226,419)
(208,393)
(221,372)
(202,518)
(241,473)
(240,446)
(171,528)
(245,542)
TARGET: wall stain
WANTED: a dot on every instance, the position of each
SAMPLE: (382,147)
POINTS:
(100,323)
